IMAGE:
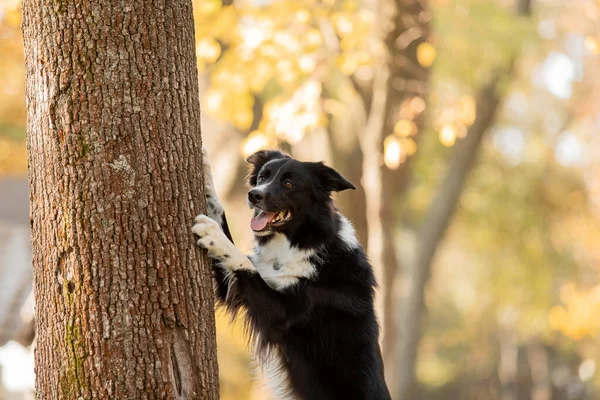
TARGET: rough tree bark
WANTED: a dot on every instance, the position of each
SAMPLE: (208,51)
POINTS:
(124,305)
(436,222)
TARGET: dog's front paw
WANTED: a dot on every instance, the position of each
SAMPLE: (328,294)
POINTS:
(220,248)
(210,236)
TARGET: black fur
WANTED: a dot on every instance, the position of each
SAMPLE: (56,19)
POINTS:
(323,328)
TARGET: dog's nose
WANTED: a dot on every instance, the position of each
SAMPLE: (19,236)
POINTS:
(255,196)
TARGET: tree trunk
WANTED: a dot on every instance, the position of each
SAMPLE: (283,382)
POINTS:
(430,235)
(344,134)
(436,222)
(124,303)
(403,26)
(539,365)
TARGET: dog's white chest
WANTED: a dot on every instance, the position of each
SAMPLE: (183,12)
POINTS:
(280,264)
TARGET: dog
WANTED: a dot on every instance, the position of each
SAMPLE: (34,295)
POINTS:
(307,289)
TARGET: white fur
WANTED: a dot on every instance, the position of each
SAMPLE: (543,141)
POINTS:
(277,377)
(293,263)
(263,187)
(212,238)
(347,233)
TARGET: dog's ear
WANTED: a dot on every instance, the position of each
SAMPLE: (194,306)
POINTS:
(331,180)
(260,158)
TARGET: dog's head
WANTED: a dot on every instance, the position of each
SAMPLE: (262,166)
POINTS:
(285,192)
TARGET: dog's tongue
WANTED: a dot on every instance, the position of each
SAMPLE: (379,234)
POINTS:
(259,222)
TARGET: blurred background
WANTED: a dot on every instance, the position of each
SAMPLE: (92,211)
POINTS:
(470,127)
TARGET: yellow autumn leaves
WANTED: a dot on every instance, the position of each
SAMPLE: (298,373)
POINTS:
(400,144)
(10,13)
(287,118)
(258,52)
(578,317)
(426,54)
(282,53)
(592,45)
(455,120)
(13,157)
(272,52)
(452,124)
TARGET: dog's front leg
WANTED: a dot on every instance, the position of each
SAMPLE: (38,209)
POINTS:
(265,306)
(220,248)
(215,211)
(226,258)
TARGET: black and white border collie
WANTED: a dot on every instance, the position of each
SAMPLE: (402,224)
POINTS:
(307,289)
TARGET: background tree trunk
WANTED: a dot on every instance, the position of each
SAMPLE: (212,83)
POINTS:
(124,305)
(437,220)
(403,26)
(430,235)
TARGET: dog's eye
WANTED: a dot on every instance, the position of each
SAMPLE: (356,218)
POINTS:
(260,179)
(288,184)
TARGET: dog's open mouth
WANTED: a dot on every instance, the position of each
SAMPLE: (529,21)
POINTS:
(266,220)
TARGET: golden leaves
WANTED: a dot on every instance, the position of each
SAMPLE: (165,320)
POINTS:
(343,23)
(313,39)
(426,54)
(454,119)
(229,98)
(219,23)
(13,157)
(287,119)
(274,52)
(207,50)
(417,105)
(209,7)
(397,149)
(591,43)
(400,145)
(291,118)
(405,128)
(263,71)
(303,16)
(578,317)
(255,141)
(393,153)
(467,111)
(347,64)
(447,135)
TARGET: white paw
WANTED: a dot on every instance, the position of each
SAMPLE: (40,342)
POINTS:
(210,236)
